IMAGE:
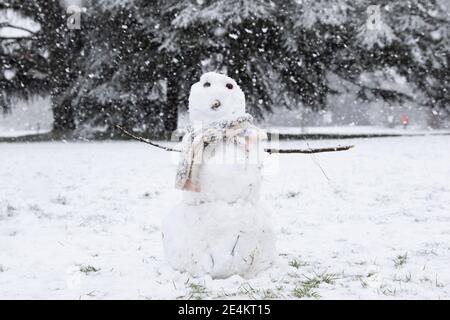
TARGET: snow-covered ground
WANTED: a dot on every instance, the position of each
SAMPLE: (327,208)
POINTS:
(82,220)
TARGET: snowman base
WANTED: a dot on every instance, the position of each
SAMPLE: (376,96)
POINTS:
(219,239)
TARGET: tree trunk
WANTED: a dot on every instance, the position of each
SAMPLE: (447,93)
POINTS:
(4,105)
(63,115)
(171,112)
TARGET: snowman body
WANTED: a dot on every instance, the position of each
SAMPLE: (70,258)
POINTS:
(221,228)
(228,175)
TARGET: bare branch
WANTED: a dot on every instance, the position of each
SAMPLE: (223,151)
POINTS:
(17,38)
(8,25)
(145,140)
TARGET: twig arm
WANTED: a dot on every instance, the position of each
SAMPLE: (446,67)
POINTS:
(140,139)
(309,151)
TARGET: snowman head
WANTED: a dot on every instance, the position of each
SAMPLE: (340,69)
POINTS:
(215,97)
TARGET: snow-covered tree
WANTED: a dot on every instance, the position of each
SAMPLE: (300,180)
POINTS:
(21,65)
(132,62)
(124,78)
(47,61)
(236,37)
(314,32)
(423,28)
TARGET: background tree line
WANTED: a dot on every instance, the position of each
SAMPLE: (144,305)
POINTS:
(133,61)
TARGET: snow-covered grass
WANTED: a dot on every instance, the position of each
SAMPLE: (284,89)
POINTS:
(82,220)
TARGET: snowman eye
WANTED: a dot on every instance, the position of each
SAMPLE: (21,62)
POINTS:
(229,86)
(207,84)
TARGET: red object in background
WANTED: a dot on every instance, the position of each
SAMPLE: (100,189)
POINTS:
(405,120)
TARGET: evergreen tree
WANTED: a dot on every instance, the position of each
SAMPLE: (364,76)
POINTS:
(22,66)
(130,74)
(423,29)
(133,62)
(237,37)
(314,34)
(48,59)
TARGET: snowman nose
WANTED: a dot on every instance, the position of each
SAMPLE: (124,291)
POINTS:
(215,104)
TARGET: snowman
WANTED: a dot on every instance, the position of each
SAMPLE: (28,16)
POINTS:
(220,228)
